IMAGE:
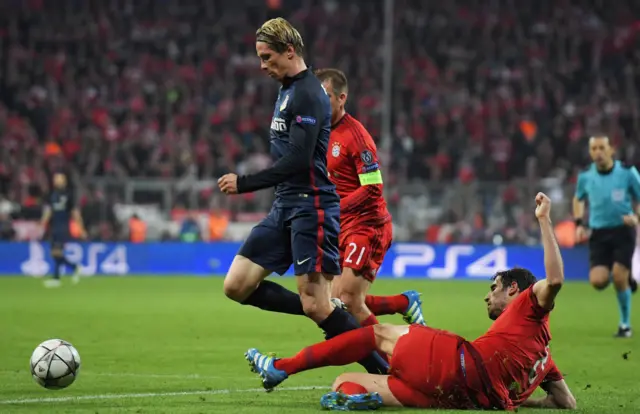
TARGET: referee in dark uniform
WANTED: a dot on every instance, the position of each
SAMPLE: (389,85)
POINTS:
(610,188)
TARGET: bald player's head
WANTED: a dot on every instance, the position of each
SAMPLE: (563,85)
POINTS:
(601,152)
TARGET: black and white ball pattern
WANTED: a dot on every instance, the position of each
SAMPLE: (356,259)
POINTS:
(55,364)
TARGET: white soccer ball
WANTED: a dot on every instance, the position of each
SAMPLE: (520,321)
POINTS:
(55,364)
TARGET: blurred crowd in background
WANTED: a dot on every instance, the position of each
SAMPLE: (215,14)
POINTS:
(144,103)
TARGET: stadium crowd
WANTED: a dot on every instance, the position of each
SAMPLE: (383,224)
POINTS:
(501,92)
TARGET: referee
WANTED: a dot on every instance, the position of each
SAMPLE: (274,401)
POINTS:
(610,188)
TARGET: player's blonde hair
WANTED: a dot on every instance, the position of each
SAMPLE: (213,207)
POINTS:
(336,76)
(279,34)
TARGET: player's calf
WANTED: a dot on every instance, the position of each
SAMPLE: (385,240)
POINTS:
(623,293)
(245,284)
(351,289)
(314,290)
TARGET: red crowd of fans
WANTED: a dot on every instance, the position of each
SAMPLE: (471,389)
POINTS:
(168,88)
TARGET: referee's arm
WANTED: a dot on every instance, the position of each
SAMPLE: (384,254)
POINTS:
(578,209)
(635,188)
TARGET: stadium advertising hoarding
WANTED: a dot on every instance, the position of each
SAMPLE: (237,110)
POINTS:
(404,260)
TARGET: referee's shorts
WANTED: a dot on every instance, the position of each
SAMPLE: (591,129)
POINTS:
(612,245)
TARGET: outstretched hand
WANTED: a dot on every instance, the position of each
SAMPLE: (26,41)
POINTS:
(543,206)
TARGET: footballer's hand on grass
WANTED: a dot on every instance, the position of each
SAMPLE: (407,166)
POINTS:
(543,206)
(228,184)
(630,220)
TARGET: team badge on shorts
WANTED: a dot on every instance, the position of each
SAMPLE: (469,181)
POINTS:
(367,157)
(335,150)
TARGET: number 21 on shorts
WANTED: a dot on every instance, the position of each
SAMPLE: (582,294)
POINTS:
(353,252)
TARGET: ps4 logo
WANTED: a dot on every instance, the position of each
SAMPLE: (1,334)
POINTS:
(459,260)
(279,125)
(93,258)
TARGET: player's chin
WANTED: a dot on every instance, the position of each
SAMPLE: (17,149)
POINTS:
(493,314)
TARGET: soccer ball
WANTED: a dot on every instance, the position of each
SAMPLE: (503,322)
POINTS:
(55,364)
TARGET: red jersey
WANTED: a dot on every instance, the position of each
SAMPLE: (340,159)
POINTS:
(355,170)
(515,350)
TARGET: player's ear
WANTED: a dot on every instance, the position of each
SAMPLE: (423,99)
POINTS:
(343,98)
(291,52)
(512,289)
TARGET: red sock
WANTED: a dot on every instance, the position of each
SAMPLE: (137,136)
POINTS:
(371,320)
(387,305)
(351,388)
(351,346)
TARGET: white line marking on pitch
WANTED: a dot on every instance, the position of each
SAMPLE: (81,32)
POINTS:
(138,375)
(149,395)
(176,376)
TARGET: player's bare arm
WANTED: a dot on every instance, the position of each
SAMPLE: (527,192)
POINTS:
(546,290)
(558,396)
(578,214)
(634,218)
(46,216)
(77,217)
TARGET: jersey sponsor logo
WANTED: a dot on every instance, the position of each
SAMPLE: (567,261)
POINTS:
(306,120)
(279,124)
(60,204)
(284,103)
(335,150)
(370,168)
(367,157)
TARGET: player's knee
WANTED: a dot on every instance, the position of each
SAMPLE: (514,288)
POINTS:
(237,288)
(315,308)
(387,336)
(339,381)
(354,301)
(599,277)
(234,290)
(242,279)
(599,284)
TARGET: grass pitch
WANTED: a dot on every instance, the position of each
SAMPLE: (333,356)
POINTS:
(175,345)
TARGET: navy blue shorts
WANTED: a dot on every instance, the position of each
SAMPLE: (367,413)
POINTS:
(304,236)
(59,239)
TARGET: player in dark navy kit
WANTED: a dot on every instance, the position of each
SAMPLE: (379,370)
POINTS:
(303,225)
(58,212)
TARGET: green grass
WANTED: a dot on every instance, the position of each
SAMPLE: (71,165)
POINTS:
(171,335)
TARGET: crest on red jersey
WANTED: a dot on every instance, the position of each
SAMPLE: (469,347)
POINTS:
(335,150)
(367,157)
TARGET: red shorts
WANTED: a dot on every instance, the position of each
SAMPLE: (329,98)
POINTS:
(426,370)
(362,248)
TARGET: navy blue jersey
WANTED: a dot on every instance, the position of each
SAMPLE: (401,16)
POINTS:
(61,204)
(299,136)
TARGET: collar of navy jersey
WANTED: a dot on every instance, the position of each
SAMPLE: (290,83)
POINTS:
(288,80)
